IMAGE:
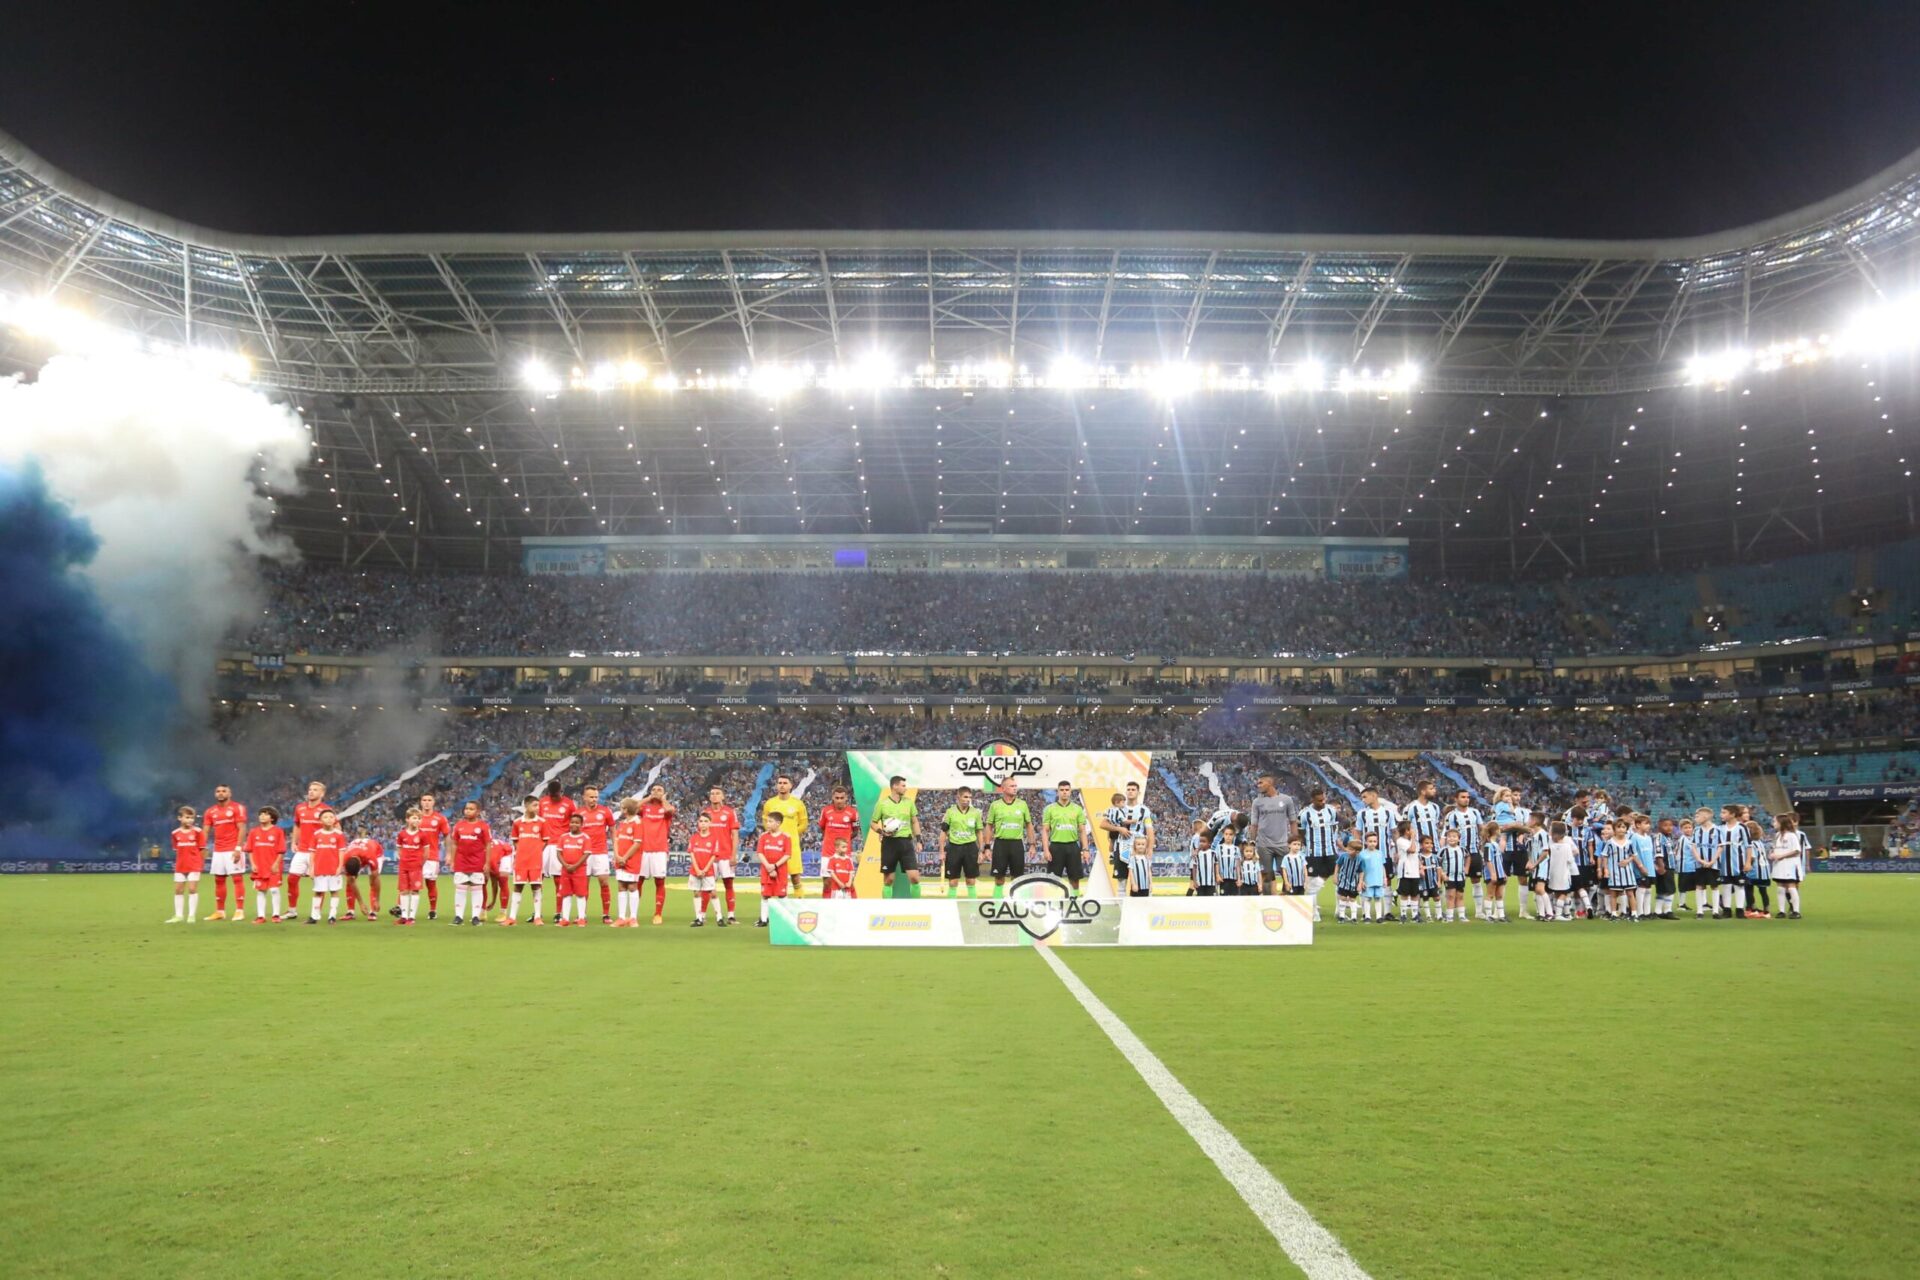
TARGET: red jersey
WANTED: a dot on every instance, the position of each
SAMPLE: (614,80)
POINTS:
(470,841)
(224,824)
(365,848)
(725,823)
(189,843)
(412,848)
(264,846)
(705,851)
(529,842)
(837,825)
(626,845)
(573,850)
(595,822)
(306,821)
(496,851)
(656,819)
(840,867)
(329,848)
(553,817)
(436,827)
(774,848)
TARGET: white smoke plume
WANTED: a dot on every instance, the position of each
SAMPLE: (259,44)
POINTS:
(171,467)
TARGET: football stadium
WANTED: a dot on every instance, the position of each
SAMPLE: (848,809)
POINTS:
(1243,707)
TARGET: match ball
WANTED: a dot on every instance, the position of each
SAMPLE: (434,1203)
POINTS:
(893,826)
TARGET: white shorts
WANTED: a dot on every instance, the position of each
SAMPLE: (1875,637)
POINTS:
(185,877)
(700,884)
(723,868)
(371,865)
(599,864)
(550,861)
(654,864)
(328,884)
(470,877)
(1787,869)
(302,864)
(627,877)
(228,864)
(506,867)
(429,871)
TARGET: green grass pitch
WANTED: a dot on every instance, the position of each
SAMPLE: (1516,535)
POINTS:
(1696,1099)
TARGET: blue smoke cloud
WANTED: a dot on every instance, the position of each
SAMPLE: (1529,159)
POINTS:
(80,708)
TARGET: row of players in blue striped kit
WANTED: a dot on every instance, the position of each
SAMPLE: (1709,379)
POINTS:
(1590,863)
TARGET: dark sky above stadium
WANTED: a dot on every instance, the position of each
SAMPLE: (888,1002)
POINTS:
(1614,120)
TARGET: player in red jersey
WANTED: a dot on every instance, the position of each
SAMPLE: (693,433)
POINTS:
(500,878)
(266,847)
(329,855)
(471,836)
(774,848)
(596,820)
(556,809)
(306,821)
(838,822)
(189,857)
(411,847)
(656,824)
(626,864)
(572,880)
(837,871)
(529,858)
(363,858)
(703,859)
(225,821)
(725,821)
(435,824)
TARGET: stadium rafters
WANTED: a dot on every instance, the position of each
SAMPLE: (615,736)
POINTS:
(1546,433)
(457,312)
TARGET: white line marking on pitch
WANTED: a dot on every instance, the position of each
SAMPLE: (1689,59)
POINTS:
(1311,1246)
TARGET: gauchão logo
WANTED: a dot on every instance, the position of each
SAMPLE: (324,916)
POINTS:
(998,759)
(1040,904)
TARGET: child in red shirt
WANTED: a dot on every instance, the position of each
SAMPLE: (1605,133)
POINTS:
(189,859)
(266,846)
(774,848)
(703,860)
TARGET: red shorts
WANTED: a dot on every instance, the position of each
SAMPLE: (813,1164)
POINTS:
(266,879)
(773,881)
(573,884)
(410,877)
(833,890)
(189,864)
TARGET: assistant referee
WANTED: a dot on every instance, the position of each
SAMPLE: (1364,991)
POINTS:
(962,822)
(896,819)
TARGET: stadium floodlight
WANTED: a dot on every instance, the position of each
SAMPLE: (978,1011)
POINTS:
(1310,375)
(1718,368)
(1891,326)
(1070,374)
(776,380)
(633,373)
(1170,381)
(538,376)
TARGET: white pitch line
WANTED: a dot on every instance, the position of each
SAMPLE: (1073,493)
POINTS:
(1311,1246)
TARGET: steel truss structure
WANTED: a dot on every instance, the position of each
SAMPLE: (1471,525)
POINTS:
(1537,356)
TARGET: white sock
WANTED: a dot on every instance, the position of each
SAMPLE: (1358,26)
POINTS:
(1479,897)
(333,906)
(193,906)
(316,905)
(763,909)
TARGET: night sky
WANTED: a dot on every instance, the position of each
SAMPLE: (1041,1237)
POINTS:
(1531,119)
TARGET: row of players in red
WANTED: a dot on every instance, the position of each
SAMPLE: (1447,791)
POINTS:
(552,839)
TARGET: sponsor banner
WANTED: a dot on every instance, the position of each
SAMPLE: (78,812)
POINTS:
(563,559)
(1373,564)
(270,661)
(31,867)
(1884,791)
(1041,921)
(1866,864)
(1095,776)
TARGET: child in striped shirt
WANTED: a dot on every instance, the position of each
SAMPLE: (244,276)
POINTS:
(1201,863)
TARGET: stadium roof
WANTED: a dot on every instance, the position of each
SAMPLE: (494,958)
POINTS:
(1550,430)
(391,314)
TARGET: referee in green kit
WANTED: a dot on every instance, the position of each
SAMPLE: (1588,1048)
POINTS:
(962,822)
(896,819)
